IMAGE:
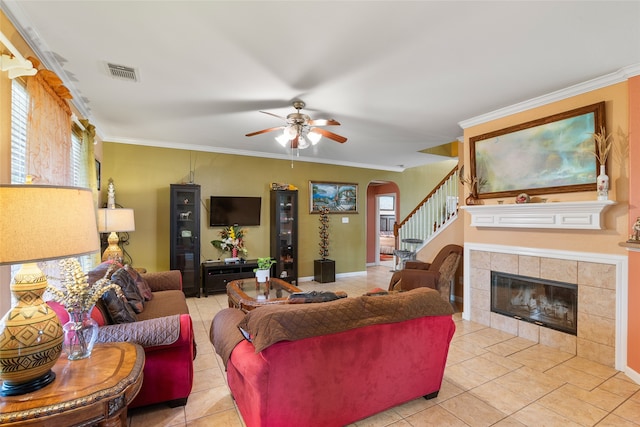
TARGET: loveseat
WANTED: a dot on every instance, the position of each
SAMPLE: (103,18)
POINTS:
(333,363)
(163,328)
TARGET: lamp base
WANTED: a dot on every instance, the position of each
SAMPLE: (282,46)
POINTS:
(113,251)
(15,389)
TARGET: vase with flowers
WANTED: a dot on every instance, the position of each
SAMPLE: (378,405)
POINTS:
(473,183)
(79,297)
(603,144)
(231,240)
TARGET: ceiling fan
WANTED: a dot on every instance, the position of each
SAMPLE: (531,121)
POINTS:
(300,131)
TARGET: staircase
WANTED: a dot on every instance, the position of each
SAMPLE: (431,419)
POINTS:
(432,215)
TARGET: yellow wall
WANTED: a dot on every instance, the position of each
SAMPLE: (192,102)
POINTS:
(142,176)
(616,217)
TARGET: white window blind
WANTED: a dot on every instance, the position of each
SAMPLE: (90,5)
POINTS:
(19,114)
(78,165)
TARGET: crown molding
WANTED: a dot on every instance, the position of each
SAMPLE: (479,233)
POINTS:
(261,154)
(619,76)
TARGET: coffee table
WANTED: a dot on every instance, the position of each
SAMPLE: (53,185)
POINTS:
(247,294)
(91,391)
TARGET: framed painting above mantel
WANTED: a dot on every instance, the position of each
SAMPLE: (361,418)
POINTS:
(554,154)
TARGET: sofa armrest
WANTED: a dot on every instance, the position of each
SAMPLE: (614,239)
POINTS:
(164,280)
(417,265)
(163,331)
(224,333)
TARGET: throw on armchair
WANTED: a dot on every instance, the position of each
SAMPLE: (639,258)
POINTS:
(435,275)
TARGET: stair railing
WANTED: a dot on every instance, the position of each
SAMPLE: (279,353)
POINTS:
(435,211)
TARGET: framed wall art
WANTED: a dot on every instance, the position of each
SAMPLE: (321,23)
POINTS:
(554,154)
(339,197)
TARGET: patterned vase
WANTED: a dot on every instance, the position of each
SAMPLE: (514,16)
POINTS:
(234,252)
(602,183)
(80,334)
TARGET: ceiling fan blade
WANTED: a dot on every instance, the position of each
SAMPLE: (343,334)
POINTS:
(324,122)
(274,115)
(265,131)
(330,135)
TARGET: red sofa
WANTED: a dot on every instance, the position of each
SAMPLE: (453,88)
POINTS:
(333,363)
(164,329)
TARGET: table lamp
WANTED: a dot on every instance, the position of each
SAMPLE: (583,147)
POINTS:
(38,223)
(114,220)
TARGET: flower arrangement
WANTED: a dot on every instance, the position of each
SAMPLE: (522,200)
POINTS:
(75,292)
(473,183)
(603,145)
(231,238)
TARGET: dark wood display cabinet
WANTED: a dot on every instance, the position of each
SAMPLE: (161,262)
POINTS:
(216,274)
(284,234)
(185,235)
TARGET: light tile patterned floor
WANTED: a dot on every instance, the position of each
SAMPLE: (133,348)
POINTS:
(492,379)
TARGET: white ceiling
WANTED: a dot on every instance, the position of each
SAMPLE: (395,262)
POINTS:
(398,75)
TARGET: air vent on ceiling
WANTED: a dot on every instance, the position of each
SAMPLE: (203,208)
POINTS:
(122,72)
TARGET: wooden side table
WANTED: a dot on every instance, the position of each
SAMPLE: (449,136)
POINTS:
(92,391)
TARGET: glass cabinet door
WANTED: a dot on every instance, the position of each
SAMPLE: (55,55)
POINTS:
(185,235)
(284,234)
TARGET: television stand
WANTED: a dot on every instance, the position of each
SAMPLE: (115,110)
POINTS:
(216,274)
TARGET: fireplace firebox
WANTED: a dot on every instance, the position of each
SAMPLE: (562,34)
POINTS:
(543,302)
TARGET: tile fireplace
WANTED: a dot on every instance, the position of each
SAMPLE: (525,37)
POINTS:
(598,312)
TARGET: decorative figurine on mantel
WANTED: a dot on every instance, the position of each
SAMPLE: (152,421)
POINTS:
(635,236)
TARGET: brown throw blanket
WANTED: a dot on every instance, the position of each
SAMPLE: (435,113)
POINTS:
(289,322)
(224,334)
(148,333)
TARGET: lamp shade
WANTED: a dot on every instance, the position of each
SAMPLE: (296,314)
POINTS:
(40,223)
(115,219)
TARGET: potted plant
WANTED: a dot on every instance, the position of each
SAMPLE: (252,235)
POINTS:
(264,268)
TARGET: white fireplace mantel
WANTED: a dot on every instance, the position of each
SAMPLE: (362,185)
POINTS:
(560,215)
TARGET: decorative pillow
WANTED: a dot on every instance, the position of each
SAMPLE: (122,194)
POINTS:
(101,269)
(315,296)
(143,286)
(119,310)
(129,289)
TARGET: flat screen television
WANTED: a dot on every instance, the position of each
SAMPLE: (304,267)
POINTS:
(230,210)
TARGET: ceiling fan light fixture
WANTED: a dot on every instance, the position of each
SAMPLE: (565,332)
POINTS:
(291,131)
(283,139)
(303,142)
(314,137)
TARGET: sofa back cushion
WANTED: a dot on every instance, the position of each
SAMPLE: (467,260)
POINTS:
(288,322)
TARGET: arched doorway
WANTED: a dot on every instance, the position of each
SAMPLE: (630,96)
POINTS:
(383,208)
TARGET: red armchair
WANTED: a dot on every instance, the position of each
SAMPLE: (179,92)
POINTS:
(435,275)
